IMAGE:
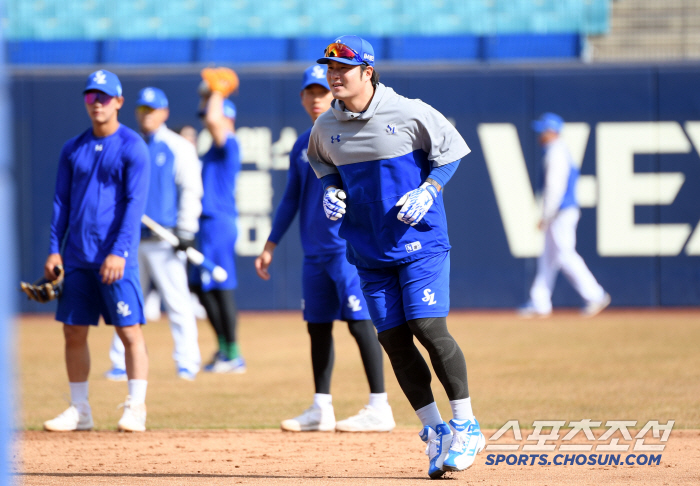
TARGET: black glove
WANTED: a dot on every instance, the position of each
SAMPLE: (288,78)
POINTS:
(186,240)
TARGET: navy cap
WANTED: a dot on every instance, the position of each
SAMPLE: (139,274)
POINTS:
(152,98)
(315,74)
(548,121)
(229,110)
(104,81)
(363,49)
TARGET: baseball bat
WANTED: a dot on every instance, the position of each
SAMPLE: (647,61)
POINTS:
(194,256)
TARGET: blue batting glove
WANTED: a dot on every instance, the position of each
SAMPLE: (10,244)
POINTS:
(415,204)
(333,203)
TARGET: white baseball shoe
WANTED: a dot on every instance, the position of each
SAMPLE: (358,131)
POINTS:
(312,419)
(528,311)
(369,419)
(75,417)
(134,417)
(116,374)
(595,308)
(467,442)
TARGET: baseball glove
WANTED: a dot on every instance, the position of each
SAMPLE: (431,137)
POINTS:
(222,80)
(45,290)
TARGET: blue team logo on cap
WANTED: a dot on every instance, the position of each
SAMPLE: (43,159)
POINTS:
(315,75)
(104,81)
(153,98)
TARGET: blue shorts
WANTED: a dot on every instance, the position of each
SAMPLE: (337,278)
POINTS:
(412,290)
(85,298)
(217,241)
(331,290)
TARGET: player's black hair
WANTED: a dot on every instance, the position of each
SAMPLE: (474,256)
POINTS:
(375,75)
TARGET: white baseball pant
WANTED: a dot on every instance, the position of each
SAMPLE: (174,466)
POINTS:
(158,263)
(560,254)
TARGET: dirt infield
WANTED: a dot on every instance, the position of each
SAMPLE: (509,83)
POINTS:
(275,457)
(635,365)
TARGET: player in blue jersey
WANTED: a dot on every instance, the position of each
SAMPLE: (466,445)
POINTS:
(217,230)
(101,188)
(331,287)
(560,215)
(174,202)
(383,160)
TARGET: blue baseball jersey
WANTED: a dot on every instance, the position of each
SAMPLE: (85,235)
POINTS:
(380,155)
(304,192)
(100,197)
(220,167)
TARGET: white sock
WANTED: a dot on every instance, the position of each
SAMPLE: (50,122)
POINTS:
(137,391)
(79,393)
(379,402)
(323,400)
(462,409)
(429,415)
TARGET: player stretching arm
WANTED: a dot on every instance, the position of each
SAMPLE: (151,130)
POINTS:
(331,287)
(383,160)
(217,226)
(100,197)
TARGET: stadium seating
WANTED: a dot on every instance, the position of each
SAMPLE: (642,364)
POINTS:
(213,28)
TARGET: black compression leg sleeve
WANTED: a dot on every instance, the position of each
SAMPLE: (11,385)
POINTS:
(371,353)
(410,368)
(210,305)
(445,354)
(322,354)
(226,303)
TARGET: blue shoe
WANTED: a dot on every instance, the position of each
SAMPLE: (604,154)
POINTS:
(186,374)
(438,442)
(467,442)
(223,365)
(116,374)
(210,366)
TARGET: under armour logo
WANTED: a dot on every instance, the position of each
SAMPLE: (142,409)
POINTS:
(100,78)
(335,139)
(98,147)
(304,156)
(429,297)
(123,308)
(317,72)
(391,128)
(160,159)
(149,94)
(354,303)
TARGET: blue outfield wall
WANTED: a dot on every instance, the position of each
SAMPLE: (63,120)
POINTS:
(274,50)
(635,130)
